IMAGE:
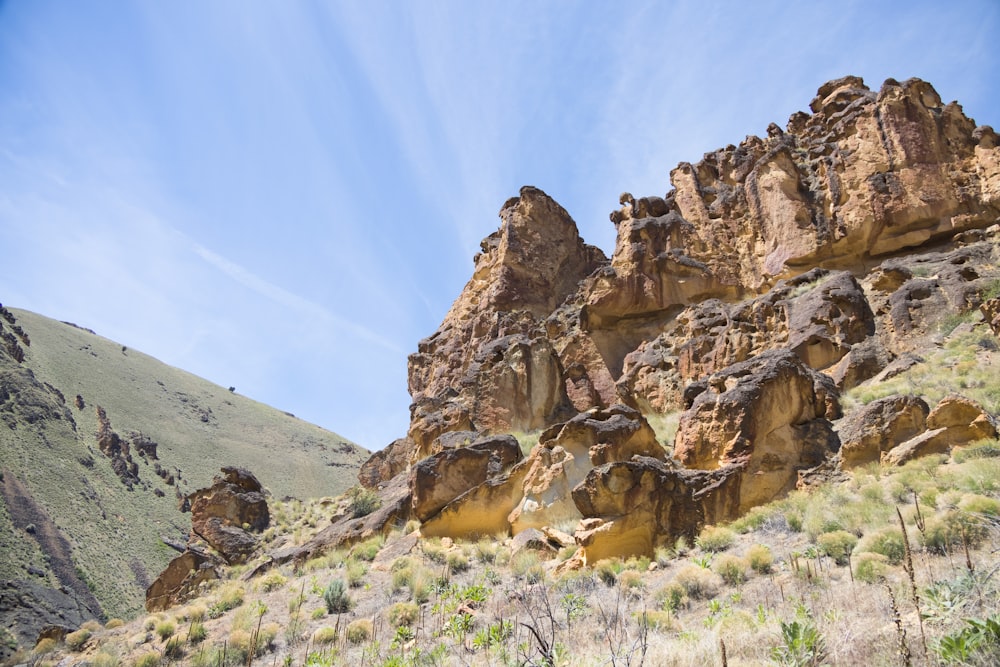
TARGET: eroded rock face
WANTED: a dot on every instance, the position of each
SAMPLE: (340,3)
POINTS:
(181,579)
(880,426)
(769,415)
(440,478)
(631,507)
(224,514)
(567,452)
(820,315)
(491,340)
(954,421)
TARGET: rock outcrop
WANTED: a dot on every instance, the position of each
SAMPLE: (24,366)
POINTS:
(772,276)
(225,513)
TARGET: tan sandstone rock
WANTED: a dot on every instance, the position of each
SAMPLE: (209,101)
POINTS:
(880,426)
(224,514)
(769,415)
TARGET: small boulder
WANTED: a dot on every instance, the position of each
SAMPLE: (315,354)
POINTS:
(965,419)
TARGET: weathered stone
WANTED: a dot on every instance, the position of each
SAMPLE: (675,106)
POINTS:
(769,415)
(438,479)
(224,513)
(933,441)
(965,420)
(630,507)
(181,579)
(386,463)
(567,452)
(991,313)
(531,539)
(880,426)
(482,511)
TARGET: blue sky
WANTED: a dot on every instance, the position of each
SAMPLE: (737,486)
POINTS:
(286,196)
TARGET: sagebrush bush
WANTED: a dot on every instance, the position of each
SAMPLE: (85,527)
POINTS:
(165,630)
(715,539)
(336,598)
(888,542)
(870,567)
(403,613)
(760,558)
(732,569)
(363,502)
(698,582)
(148,659)
(359,630)
(838,545)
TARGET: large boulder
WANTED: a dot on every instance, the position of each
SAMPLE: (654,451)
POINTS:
(440,478)
(881,425)
(483,510)
(225,513)
(567,452)
(769,415)
(954,421)
(631,507)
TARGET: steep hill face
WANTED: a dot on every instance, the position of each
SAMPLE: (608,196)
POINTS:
(100,446)
(774,276)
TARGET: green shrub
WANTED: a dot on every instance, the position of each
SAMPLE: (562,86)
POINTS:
(165,630)
(657,619)
(359,630)
(974,503)
(698,582)
(197,632)
(174,648)
(607,570)
(870,567)
(76,640)
(838,545)
(114,624)
(324,635)
(355,571)
(403,613)
(672,597)
(981,450)
(715,539)
(631,580)
(486,551)
(363,502)
(272,581)
(368,549)
(760,558)
(457,562)
(148,659)
(105,659)
(732,569)
(888,542)
(336,598)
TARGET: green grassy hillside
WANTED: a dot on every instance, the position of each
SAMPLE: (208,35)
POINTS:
(68,520)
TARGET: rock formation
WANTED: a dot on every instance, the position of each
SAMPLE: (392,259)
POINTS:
(774,275)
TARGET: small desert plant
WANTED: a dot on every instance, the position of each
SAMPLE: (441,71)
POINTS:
(631,580)
(76,640)
(46,645)
(838,545)
(336,598)
(888,542)
(165,630)
(272,581)
(802,645)
(457,562)
(355,570)
(698,582)
(760,558)
(403,613)
(658,619)
(607,570)
(359,630)
(231,597)
(870,567)
(363,502)
(715,539)
(148,659)
(105,659)
(92,625)
(486,551)
(266,636)
(114,624)
(368,549)
(324,635)
(238,645)
(732,569)
(672,597)
(196,612)
(197,632)
(174,648)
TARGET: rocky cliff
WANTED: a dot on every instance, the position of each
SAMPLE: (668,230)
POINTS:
(773,276)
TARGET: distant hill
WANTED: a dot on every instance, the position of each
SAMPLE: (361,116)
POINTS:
(100,444)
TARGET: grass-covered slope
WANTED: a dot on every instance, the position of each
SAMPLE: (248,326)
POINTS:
(68,520)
